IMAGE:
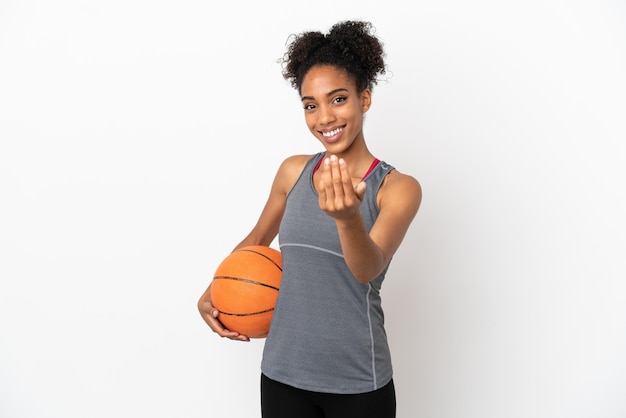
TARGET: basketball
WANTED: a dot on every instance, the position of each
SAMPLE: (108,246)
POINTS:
(245,287)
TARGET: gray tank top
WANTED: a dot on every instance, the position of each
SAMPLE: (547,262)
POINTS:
(327,332)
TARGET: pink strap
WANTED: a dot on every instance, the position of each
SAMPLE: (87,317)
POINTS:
(369,170)
(372,167)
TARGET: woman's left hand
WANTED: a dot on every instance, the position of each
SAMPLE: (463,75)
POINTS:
(338,197)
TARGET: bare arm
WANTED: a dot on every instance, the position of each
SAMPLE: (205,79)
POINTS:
(367,254)
(263,233)
(268,223)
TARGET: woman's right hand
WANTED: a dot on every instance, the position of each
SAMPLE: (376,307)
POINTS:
(211,317)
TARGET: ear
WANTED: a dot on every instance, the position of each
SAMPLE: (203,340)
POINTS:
(366,100)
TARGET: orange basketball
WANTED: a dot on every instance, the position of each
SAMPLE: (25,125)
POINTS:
(245,287)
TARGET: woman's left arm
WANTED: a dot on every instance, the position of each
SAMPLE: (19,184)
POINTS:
(367,254)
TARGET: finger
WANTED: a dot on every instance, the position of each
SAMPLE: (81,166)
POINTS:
(211,317)
(360,190)
(215,324)
(348,189)
(337,180)
(225,332)
(233,335)
(327,183)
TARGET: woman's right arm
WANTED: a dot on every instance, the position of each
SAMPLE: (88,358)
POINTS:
(263,233)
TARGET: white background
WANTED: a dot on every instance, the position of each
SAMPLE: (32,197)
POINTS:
(138,143)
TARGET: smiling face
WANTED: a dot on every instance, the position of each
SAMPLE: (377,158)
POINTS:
(333,109)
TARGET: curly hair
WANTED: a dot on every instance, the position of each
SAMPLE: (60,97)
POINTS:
(349,45)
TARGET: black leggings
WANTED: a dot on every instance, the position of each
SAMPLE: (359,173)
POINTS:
(283,401)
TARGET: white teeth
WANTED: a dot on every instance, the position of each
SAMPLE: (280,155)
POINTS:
(331,133)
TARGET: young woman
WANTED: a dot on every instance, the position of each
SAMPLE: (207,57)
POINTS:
(340,215)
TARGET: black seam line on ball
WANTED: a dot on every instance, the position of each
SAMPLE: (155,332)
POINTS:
(245,280)
(246,314)
(262,255)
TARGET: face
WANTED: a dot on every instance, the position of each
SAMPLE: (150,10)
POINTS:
(333,109)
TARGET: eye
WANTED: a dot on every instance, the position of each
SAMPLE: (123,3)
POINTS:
(339,99)
(309,106)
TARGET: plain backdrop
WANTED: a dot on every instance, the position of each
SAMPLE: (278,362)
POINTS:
(138,142)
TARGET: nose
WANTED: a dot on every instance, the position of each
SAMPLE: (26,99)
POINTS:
(326,115)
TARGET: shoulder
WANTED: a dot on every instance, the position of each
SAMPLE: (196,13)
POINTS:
(400,190)
(289,171)
(296,161)
(293,165)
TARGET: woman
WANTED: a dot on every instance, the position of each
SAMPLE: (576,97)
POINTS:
(340,216)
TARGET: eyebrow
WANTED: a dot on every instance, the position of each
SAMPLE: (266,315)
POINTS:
(330,93)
